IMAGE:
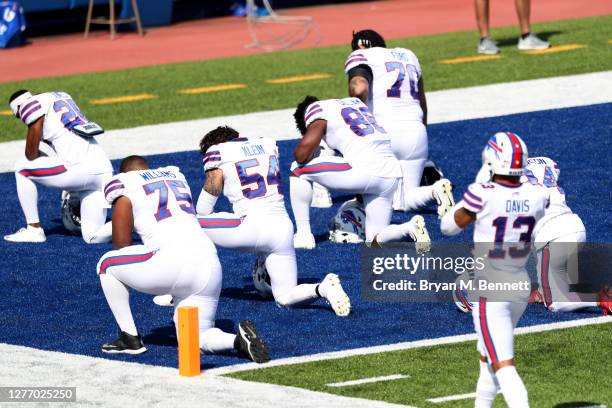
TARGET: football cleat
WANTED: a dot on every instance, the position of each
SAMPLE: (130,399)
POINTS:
(303,240)
(125,344)
(418,233)
(28,234)
(164,300)
(249,345)
(604,301)
(443,193)
(335,295)
(320,197)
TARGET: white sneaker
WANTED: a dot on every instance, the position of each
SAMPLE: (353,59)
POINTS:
(418,232)
(163,300)
(532,42)
(443,193)
(304,241)
(28,234)
(335,295)
(320,197)
(487,46)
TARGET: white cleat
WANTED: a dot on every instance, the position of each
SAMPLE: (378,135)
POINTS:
(28,234)
(303,240)
(443,193)
(320,197)
(418,232)
(532,42)
(163,300)
(335,295)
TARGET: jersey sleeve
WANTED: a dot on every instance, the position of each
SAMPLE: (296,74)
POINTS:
(114,189)
(473,198)
(314,112)
(32,109)
(212,158)
(356,58)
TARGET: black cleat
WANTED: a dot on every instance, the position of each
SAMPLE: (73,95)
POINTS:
(126,344)
(248,345)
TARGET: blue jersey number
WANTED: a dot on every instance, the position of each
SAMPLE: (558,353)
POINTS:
(71,114)
(361,121)
(403,71)
(181,196)
(255,183)
(549,179)
(500,230)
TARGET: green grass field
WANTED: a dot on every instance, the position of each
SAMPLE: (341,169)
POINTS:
(165,80)
(567,366)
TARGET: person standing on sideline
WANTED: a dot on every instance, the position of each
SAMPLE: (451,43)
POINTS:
(527,40)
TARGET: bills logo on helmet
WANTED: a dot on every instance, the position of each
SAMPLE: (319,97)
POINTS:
(347,226)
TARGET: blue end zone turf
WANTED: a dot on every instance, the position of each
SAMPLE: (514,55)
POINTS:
(51,298)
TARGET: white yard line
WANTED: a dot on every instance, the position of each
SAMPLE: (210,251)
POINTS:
(444,106)
(111,383)
(457,397)
(367,380)
(402,346)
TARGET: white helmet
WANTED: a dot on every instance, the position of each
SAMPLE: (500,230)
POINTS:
(261,279)
(71,211)
(348,225)
(505,154)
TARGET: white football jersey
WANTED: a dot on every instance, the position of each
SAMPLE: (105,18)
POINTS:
(163,209)
(251,174)
(544,171)
(61,115)
(353,131)
(505,215)
(394,91)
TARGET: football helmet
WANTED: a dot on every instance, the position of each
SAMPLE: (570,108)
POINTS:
(348,225)
(261,279)
(71,211)
(505,154)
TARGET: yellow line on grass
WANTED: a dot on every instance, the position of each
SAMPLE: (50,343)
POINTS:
(300,78)
(609,41)
(213,88)
(6,113)
(557,48)
(122,99)
(473,58)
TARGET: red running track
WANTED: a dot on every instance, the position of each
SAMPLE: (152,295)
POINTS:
(224,37)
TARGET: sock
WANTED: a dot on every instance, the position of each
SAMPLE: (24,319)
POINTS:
(301,195)
(570,306)
(298,295)
(393,232)
(486,388)
(523,36)
(118,299)
(512,387)
(418,197)
(28,198)
(94,228)
(215,340)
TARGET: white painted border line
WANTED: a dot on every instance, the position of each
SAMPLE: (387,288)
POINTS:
(444,106)
(368,380)
(401,346)
(457,397)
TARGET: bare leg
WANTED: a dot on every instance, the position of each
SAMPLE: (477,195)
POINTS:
(523,10)
(482,16)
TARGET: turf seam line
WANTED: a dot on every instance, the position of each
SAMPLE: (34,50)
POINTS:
(402,346)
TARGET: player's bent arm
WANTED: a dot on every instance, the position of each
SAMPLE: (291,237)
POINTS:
(423,100)
(35,131)
(456,220)
(359,87)
(310,141)
(213,186)
(123,222)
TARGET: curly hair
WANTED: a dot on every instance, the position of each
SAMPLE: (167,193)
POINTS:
(301,110)
(367,39)
(219,135)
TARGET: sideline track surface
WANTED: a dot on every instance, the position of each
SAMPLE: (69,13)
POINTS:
(51,299)
(227,36)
